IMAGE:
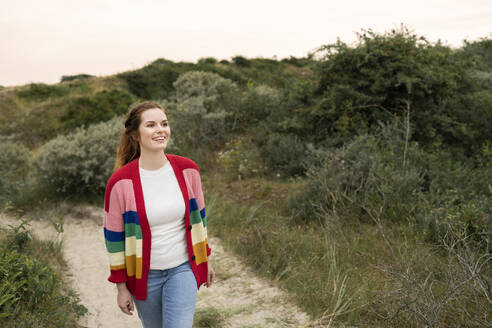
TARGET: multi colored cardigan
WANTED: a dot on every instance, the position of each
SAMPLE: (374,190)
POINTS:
(127,232)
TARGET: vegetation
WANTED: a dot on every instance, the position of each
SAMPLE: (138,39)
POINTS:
(67,78)
(32,293)
(357,177)
(79,163)
(209,317)
(14,168)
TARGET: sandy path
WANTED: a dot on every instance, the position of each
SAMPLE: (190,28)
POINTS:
(238,298)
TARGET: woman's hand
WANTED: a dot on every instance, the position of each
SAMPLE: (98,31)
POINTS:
(210,275)
(125,301)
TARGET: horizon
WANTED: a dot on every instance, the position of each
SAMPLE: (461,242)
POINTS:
(44,41)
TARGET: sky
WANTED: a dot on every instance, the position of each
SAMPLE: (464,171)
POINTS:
(42,40)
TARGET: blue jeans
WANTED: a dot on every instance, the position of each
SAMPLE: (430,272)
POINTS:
(171,298)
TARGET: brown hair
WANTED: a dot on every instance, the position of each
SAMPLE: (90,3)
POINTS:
(129,148)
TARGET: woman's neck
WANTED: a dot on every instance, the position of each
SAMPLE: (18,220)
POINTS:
(152,160)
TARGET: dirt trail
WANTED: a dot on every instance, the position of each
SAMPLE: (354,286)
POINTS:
(238,296)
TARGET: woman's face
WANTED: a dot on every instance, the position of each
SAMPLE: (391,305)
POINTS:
(154,131)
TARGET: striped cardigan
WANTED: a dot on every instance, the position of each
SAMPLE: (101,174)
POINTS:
(127,232)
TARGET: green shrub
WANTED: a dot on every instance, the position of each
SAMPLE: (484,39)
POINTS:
(299,62)
(374,179)
(390,74)
(203,100)
(241,61)
(14,167)
(456,195)
(41,91)
(67,78)
(31,291)
(80,162)
(241,158)
(207,60)
(256,106)
(204,92)
(356,181)
(154,81)
(441,212)
(283,154)
(101,107)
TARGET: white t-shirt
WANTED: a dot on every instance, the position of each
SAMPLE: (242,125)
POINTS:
(165,209)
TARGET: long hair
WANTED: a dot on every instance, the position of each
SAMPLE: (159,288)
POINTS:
(129,148)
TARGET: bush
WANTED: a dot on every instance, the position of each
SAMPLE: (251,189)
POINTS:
(456,196)
(31,291)
(203,100)
(154,81)
(440,212)
(356,181)
(207,60)
(80,162)
(256,105)
(102,106)
(390,75)
(204,92)
(14,167)
(241,61)
(67,78)
(241,158)
(373,179)
(284,155)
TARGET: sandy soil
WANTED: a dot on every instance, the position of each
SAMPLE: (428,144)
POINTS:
(238,296)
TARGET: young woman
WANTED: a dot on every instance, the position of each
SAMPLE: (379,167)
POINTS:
(155,225)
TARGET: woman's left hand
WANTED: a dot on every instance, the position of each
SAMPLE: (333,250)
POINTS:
(210,276)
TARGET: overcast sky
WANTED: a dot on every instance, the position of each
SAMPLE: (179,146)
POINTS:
(42,40)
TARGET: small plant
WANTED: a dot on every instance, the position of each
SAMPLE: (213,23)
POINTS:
(209,317)
(20,235)
(241,158)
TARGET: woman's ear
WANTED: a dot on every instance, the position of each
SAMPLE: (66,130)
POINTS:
(134,137)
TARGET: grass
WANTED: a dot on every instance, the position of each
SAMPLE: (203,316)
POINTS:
(31,283)
(346,275)
(210,317)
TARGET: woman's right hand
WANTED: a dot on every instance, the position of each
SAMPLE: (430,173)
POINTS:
(125,301)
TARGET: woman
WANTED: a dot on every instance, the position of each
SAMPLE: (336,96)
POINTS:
(154,224)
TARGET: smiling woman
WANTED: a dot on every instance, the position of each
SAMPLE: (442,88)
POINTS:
(155,225)
(154,132)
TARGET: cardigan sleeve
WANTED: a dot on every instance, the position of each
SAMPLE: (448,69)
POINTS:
(199,193)
(114,234)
